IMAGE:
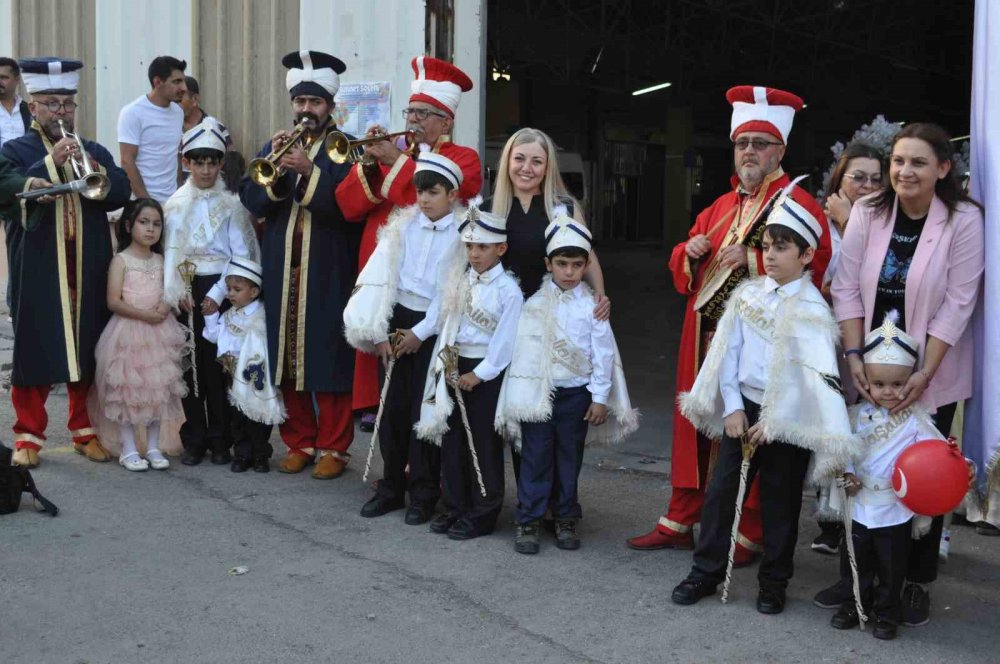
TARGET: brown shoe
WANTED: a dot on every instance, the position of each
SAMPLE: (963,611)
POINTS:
(329,467)
(294,463)
(93,450)
(26,458)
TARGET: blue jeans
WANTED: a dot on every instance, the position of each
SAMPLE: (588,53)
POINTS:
(553,452)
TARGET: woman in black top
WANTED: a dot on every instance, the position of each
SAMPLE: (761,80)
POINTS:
(530,191)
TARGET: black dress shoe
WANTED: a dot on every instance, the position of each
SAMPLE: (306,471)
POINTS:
(417,515)
(771,602)
(191,458)
(261,465)
(221,457)
(443,522)
(845,618)
(240,465)
(884,630)
(465,529)
(690,591)
(378,506)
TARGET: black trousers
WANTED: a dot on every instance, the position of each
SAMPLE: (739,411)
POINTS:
(923,562)
(397,441)
(782,469)
(462,497)
(250,438)
(882,554)
(207,415)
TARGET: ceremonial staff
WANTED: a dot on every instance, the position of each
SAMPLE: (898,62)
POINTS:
(748,451)
(449,355)
(187,271)
(394,339)
(848,516)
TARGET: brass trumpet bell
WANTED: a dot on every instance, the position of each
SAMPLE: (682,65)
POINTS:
(341,149)
(265,171)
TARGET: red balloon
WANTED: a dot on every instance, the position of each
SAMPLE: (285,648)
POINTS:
(931,477)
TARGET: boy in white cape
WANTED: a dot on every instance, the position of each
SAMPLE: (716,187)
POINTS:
(479,314)
(240,335)
(397,293)
(564,383)
(770,382)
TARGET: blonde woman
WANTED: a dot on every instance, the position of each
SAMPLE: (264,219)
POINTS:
(530,191)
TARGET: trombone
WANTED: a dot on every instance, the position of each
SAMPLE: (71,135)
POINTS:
(89,183)
(341,149)
(265,171)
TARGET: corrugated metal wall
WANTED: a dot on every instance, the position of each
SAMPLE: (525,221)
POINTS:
(238,50)
(61,28)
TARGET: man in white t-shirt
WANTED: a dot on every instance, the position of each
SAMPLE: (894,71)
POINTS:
(150,131)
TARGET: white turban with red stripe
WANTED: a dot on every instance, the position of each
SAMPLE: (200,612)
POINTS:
(767,110)
(438,83)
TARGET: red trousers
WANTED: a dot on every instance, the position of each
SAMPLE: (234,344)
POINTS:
(685,506)
(304,432)
(29,408)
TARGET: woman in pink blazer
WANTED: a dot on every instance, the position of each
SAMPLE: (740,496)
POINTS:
(916,248)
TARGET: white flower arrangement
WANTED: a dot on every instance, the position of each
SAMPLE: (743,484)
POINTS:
(879,135)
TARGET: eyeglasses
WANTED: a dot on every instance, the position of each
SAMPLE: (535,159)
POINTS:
(420,113)
(54,105)
(759,144)
(861,179)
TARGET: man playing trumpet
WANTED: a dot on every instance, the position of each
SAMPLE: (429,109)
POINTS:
(59,262)
(372,190)
(310,263)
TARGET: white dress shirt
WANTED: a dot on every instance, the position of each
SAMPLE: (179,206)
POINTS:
(425,245)
(592,337)
(879,462)
(496,296)
(11,124)
(748,351)
(217,328)
(212,257)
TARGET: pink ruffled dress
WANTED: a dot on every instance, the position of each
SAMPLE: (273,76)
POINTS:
(139,376)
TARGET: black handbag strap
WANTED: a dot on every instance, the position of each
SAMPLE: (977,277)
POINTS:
(47,505)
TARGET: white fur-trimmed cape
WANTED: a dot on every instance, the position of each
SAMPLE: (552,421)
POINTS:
(178,226)
(252,392)
(369,310)
(527,391)
(829,507)
(437,403)
(803,402)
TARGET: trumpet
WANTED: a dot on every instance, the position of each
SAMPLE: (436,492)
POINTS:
(89,183)
(265,171)
(341,149)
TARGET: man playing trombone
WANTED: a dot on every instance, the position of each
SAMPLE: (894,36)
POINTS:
(310,264)
(59,260)
(372,189)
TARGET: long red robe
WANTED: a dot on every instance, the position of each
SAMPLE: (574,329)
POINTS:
(723,222)
(372,199)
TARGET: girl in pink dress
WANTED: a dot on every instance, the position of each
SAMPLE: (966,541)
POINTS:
(139,381)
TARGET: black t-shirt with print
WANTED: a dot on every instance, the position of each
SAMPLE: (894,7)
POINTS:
(891,291)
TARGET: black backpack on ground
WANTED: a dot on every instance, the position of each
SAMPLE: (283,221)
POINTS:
(15,481)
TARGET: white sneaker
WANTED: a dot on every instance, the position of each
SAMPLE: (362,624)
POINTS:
(157,461)
(134,462)
(945,546)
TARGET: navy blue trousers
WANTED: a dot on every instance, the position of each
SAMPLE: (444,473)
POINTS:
(552,453)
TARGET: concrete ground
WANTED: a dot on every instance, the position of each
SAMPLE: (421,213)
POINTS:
(136,568)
